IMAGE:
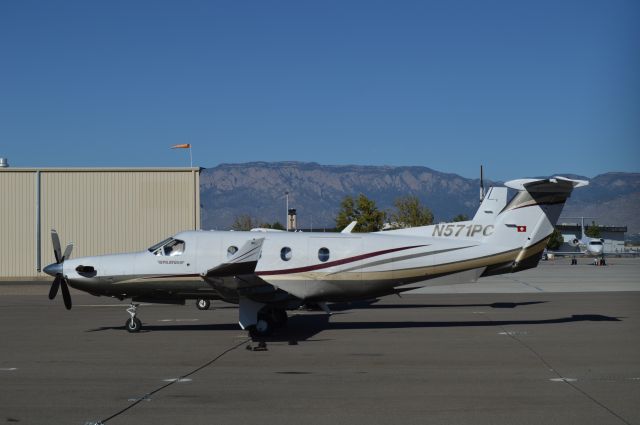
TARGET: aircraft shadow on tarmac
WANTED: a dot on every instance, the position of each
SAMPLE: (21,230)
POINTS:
(372,304)
(304,327)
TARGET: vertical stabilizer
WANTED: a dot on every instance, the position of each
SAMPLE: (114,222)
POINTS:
(527,221)
(494,202)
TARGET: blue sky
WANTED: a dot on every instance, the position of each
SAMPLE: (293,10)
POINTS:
(525,88)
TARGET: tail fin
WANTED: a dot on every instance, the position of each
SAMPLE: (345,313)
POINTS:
(525,224)
(494,202)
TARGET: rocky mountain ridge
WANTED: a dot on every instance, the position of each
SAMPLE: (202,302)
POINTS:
(258,189)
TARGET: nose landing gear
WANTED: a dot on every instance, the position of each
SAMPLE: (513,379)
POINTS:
(133,324)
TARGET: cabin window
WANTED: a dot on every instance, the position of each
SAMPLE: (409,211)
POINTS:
(285,253)
(323,254)
(231,251)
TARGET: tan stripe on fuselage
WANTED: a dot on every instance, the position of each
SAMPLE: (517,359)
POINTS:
(425,272)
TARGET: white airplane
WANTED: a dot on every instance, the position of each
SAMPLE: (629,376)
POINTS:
(593,247)
(268,273)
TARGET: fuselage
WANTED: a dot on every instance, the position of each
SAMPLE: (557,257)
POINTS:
(309,266)
(594,247)
(269,272)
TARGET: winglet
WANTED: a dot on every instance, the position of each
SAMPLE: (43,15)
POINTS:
(576,183)
(350,227)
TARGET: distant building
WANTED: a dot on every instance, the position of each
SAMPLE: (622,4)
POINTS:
(292,219)
(613,237)
(102,210)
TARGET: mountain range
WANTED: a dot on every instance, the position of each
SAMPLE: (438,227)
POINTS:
(258,189)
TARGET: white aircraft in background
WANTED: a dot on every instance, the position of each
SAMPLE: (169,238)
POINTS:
(593,247)
(268,273)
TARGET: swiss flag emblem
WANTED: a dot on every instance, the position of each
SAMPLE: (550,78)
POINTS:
(521,228)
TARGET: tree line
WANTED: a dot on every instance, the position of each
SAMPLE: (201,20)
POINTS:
(408,212)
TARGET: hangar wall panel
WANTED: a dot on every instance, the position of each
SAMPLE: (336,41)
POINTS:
(17,223)
(101,210)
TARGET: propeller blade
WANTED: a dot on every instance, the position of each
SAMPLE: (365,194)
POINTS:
(66,296)
(54,287)
(55,240)
(67,252)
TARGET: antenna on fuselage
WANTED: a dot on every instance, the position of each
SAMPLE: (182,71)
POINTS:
(481,185)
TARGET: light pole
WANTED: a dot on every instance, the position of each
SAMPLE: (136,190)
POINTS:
(286,217)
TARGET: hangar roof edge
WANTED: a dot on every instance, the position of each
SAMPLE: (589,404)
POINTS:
(97,169)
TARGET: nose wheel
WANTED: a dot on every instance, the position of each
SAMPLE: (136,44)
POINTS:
(133,324)
(203,304)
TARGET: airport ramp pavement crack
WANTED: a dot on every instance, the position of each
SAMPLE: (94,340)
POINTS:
(560,378)
(183,378)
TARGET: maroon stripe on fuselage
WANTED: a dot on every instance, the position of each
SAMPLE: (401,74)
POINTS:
(166,276)
(335,263)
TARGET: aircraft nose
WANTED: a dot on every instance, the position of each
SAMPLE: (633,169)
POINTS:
(53,269)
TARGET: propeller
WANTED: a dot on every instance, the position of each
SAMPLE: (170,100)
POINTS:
(55,270)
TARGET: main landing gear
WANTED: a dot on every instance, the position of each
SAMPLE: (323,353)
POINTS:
(268,320)
(133,324)
(203,304)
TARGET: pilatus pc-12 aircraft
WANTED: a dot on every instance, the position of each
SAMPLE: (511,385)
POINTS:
(268,273)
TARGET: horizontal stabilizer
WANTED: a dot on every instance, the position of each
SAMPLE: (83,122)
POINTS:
(544,185)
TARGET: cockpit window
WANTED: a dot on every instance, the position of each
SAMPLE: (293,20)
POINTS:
(159,244)
(173,248)
(168,248)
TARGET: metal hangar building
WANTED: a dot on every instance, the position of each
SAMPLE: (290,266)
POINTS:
(612,236)
(102,210)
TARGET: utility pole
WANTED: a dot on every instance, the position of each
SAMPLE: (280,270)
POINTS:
(286,194)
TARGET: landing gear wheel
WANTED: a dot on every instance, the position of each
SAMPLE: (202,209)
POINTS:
(264,327)
(133,325)
(203,304)
(279,317)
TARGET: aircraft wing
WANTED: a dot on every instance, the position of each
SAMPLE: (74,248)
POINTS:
(581,252)
(606,254)
(243,261)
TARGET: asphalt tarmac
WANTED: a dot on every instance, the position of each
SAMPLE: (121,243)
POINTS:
(490,357)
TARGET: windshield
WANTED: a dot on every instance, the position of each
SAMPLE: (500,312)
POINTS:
(159,244)
(168,248)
